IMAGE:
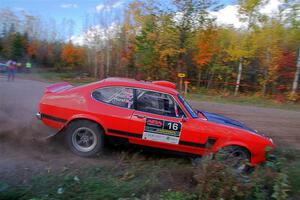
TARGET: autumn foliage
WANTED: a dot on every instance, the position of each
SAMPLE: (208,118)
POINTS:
(32,49)
(154,42)
(206,47)
(72,56)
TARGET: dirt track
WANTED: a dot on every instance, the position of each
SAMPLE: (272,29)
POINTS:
(25,152)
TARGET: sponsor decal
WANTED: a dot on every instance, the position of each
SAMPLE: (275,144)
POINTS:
(162,131)
(154,123)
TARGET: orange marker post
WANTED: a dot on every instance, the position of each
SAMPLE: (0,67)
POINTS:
(186,87)
(181,76)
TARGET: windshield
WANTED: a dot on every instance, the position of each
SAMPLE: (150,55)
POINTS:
(188,107)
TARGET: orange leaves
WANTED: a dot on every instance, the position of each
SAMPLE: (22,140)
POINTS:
(127,55)
(206,47)
(32,48)
(71,55)
(286,65)
(68,53)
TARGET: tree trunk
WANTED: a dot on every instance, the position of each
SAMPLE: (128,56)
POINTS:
(96,65)
(102,65)
(225,84)
(297,73)
(238,80)
(266,74)
(107,61)
(199,78)
(210,80)
(264,88)
(89,62)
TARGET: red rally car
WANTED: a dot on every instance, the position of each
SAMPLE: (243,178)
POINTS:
(145,113)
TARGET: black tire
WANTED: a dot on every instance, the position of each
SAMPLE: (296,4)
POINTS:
(85,138)
(236,157)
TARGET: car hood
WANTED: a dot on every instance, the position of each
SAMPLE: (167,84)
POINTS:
(220,119)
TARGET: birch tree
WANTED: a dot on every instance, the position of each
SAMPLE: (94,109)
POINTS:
(239,51)
(293,20)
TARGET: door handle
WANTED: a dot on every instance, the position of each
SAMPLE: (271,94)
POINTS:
(139,116)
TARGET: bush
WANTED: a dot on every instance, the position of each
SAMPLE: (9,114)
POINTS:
(218,181)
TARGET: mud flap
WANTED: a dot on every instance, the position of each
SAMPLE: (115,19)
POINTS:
(54,134)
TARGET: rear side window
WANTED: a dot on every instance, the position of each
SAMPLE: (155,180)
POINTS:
(157,103)
(118,96)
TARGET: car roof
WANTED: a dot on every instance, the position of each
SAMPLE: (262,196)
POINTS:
(117,81)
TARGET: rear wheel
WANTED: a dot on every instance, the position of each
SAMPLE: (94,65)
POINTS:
(85,138)
(236,157)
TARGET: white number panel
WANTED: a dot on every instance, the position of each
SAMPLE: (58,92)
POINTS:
(162,131)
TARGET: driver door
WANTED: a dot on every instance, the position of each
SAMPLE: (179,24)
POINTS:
(158,121)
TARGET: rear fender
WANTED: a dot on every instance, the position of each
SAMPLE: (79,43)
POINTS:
(79,117)
(86,117)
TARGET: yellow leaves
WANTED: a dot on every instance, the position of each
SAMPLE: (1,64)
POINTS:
(236,53)
(249,5)
(269,40)
(166,55)
(241,47)
(136,11)
(151,36)
(293,97)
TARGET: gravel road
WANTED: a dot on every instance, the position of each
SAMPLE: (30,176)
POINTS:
(26,152)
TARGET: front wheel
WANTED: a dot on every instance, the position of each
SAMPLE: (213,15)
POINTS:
(235,156)
(85,138)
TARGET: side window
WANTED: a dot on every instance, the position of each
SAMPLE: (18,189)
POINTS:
(118,96)
(180,112)
(157,103)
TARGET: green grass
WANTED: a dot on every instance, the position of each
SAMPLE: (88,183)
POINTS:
(131,177)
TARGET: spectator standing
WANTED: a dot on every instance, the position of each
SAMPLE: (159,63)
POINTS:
(28,67)
(11,70)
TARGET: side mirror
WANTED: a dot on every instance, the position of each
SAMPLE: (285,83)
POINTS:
(200,115)
(183,119)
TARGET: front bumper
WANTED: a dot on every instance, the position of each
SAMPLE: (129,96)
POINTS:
(38,115)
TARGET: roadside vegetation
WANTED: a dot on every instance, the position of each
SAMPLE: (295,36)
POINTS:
(139,175)
(254,99)
(195,93)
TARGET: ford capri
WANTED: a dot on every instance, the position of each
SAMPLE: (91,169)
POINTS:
(151,114)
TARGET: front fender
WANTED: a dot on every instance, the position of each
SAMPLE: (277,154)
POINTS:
(255,156)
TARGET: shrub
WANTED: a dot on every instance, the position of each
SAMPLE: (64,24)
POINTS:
(215,180)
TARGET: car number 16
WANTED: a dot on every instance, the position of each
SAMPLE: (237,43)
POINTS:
(173,126)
